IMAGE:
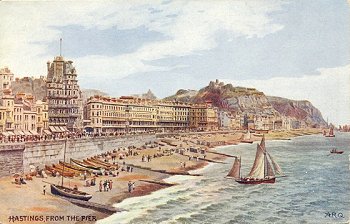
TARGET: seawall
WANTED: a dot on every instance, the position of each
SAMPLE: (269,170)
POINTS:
(18,157)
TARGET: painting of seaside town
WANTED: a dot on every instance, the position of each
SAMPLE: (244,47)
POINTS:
(170,111)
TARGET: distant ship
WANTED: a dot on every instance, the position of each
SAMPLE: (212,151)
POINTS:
(335,151)
(331,133)
(247,138)
(262,170)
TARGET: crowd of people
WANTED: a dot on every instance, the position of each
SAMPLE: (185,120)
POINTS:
(56,136)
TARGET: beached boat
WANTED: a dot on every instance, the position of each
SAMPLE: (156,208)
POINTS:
(335,151)
(69,193)
(105,164)
(331,133)
(258,135)
(95,169)
(65,191)
(246,138)
(74,167)
(66,169)
(62,172)
(262,170)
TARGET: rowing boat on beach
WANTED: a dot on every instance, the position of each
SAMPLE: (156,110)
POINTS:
(61,190)
(95,169)
(62,172)
(70,193)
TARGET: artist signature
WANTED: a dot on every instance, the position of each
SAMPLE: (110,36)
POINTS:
(335,215)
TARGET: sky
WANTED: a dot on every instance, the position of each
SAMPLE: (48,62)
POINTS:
(295,49)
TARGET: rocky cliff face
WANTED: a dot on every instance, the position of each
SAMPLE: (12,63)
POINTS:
(182,95)
(250,100)
(301,110)
(239,99)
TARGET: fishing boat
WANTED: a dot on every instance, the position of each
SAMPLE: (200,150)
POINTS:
(331,133)
(69,193)
(62,172)
(247,138)
(262,170)
(257,135)
(335,151)
(66,191)
(94,169)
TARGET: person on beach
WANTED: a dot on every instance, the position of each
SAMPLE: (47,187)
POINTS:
(44,189)
(100,185)
(85,175)
(129,186)
(107,185)
(104,185)
(133,186)
(110,184)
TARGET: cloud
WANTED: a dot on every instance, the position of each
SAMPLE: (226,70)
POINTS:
(328,91)
(189,27)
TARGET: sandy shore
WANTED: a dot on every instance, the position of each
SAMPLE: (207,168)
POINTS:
(29,200)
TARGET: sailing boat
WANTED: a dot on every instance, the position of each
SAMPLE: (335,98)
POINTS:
(331,133)
(246,138)
(262,170)
(335,151)
(65,191)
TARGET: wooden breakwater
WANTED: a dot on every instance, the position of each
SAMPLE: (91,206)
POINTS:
(221,154)
(159,182)
(94,206)
(164,171)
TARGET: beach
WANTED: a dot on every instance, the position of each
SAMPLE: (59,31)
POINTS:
(166,159)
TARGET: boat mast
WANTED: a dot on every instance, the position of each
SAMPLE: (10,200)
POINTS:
(265,163)
(64,159)
(240,177)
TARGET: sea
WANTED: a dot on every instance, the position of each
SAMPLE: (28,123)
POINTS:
(316,189)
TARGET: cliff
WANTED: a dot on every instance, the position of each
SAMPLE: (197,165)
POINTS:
(298,109)
(182,95)
(238,99)
(250,101)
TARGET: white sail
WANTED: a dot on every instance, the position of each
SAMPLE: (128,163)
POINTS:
(262,143)
(258,169)
(269,170)
(275,165)
(235,170)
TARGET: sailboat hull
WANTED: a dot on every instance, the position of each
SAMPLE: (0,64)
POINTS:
(330,136)
(69,193)
(256,181)
(337,152)
(247,141)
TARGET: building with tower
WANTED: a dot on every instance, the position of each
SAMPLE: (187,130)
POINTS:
(64,97)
